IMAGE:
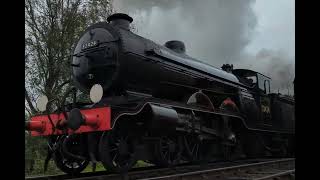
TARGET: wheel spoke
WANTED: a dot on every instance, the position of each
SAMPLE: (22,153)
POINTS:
(165,154)
(113,149)
(193,148)
(115,156)
(197,152)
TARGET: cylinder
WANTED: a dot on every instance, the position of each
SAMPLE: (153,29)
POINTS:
(164,118)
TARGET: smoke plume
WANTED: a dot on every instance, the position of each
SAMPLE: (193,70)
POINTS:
(214,31)
(275,64)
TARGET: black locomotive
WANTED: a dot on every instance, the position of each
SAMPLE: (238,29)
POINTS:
(162,106)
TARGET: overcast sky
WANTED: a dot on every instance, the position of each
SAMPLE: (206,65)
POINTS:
(275,27)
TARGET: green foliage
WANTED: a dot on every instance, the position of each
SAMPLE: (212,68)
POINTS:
(51,29)
(35,154)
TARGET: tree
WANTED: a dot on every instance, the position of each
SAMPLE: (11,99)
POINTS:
(52,28)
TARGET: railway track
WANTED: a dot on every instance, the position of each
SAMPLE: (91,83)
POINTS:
(257,169)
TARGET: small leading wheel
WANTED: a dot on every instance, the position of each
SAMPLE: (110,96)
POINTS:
(117,151)
(69,165)
(167,151)
(66,163)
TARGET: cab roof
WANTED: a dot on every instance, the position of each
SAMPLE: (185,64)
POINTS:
(246,73)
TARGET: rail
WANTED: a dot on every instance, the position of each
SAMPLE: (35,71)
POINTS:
(256,169)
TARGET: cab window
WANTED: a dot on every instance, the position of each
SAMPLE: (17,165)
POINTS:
(267,86)
(264,83)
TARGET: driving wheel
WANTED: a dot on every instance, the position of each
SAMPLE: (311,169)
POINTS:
(117,151)
(167,151)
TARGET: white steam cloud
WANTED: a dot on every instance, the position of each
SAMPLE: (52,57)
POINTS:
(214,31)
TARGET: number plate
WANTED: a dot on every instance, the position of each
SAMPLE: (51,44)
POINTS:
(89,44)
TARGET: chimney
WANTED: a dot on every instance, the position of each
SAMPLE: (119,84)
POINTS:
(120,20)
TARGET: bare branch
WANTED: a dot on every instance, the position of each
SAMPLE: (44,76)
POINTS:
(52,27)
(33,110)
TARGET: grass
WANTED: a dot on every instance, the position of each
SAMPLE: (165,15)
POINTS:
(39,171)
(53,170)
(99,167)
(141,164)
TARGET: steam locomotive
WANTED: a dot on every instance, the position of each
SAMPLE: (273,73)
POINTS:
(155,103)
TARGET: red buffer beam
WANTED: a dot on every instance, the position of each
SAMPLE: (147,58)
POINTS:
(97,119)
